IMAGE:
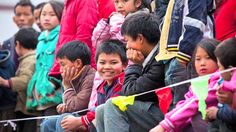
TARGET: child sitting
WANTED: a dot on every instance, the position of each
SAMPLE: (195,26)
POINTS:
(25,44)
(205,63)
(141,31)
(77,80)
(225,115)
(111,62)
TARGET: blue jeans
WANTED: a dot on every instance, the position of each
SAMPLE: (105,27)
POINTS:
(53,124)
(176,72)
(139,117)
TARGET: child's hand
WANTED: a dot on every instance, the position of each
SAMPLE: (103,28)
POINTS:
(61,108)
(71,123)
(68,75)
(211,113)
(135,56)
(224,96)
(158,128)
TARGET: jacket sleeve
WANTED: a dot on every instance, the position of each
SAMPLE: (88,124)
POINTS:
(100,33)
(227,114)
(86,20)
(194,25)
(137,82)
(88,118)
(116,21)
(175,119)
(25,72)
(79,100)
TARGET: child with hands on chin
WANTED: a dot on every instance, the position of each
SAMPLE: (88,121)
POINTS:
(223,117)
(77,80)
(111,62)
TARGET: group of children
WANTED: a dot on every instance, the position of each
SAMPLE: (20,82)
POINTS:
(126,46)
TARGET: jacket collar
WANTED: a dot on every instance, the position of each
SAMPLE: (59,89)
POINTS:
(119,78)
(52,34)
(26,55)
(81,74)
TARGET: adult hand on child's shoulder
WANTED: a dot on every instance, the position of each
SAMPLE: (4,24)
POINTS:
(135,56)
(158,128)
(224,96)
(68,75)
(211,113)
(71,123)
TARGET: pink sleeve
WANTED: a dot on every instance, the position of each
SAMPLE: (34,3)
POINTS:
(93,98)
(100,33)
(175,119)
(186,109)
(116,21)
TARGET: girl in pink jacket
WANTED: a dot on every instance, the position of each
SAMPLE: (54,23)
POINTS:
(205,63)
(110,28)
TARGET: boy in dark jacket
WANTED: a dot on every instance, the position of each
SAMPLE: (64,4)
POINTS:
(77,80)
(142,34)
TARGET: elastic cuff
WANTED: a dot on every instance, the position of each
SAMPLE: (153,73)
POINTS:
(69,89)
(85,121)
(167,125)
(183,57)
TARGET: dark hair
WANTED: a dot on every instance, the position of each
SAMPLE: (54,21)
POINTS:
(226,52)
(75,50)
(112,46)
(142,23)
(40,5)
(27,37)
(209,45)
(57,8)
(24,3)
(145,4)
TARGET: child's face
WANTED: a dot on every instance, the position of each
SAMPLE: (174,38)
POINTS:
(48,18)
(226,75)
(23,16)
(126,6)
(66,63)
(133,44)
(109,66)
(203,63)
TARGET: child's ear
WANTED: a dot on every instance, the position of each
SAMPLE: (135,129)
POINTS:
(138,3)
(18,43)
(78,63)
(140,38)
(14,19)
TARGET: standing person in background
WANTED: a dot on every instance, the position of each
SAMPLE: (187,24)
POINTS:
(26,40)
(23,17)
(105,8)
(185,24)
(37,11)
(78,21)
(44,92)
(7,97)
(225,20)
